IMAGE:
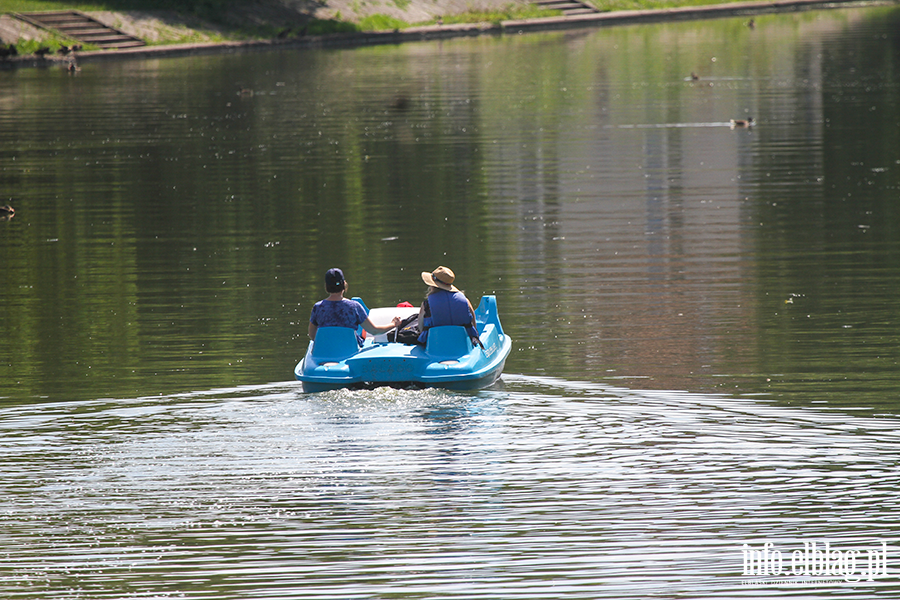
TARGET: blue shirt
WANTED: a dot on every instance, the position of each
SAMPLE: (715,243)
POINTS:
(338,313)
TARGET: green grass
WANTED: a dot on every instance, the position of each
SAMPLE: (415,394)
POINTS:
(507,13)
(381,23)
(326,26)
(53,43)
(614,5)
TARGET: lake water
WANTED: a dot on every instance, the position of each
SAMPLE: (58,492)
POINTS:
(705,319)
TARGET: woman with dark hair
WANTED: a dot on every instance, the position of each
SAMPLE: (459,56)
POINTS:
(337,311)
(444,304)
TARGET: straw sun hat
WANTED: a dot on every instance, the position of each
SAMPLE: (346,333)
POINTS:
(442,277)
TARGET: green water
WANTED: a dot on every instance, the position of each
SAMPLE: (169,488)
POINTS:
(175,217)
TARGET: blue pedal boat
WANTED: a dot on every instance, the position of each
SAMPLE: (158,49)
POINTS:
(449,359)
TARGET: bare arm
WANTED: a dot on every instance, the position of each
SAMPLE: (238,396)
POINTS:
(374,329)
(367,325)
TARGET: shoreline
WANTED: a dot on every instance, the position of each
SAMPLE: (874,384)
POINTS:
(439,32)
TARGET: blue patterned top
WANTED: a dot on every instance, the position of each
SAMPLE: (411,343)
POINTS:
(338,313)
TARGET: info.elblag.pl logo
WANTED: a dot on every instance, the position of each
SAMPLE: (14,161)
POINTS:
(814,562)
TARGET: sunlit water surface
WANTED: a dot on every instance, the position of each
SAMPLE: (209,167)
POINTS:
(542,488)
(704,317)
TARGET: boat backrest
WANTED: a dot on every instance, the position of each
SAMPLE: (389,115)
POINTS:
(487,313)
(448,341)
(335,343)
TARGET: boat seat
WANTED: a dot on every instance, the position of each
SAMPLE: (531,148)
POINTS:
(448,341)
(334,343)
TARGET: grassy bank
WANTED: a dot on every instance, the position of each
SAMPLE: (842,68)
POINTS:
(263,19)
(266,19)
(161,22)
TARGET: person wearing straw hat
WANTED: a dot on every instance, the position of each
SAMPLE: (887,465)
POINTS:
(337,311)
(445,304)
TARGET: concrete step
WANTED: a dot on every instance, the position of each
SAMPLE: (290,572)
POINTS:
(81,27)
(567,7)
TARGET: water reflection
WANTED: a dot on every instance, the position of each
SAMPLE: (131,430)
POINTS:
(171,230)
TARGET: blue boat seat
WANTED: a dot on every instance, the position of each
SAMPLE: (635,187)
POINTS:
(334,343)
(448,341)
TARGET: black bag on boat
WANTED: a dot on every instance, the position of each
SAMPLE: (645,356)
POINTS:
(408,332)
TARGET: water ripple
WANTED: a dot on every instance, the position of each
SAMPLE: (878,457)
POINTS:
(540,488)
